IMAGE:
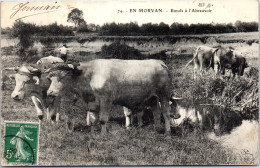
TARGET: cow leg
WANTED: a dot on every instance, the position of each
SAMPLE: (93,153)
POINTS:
(233,73)
(195,69)
(222,71)
(156,115)
(92,118)
(201,68)
(48,114)
(166,114)
(128,120)
(52,112)
(194,73)
(199,120)
(70,124)
(132,119)
(57,103)
(216,69)
(140,118)
(93,114)
(105,110)
(38,106)
(53,109)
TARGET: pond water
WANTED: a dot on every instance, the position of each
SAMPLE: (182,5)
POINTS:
(224,126)
(243,139)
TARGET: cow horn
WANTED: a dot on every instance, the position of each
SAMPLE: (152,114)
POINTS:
(71,66)
(32,69)
(177,98)
(39,62)
(60,66)
(47,70)
(12,68)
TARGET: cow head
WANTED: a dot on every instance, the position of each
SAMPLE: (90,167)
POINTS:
(240,66)
(26,74)
(59,75)
(174,107)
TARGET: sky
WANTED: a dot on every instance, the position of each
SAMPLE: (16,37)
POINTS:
(100,12)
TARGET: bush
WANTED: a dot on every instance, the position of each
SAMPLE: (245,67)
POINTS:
(120,51)
(24,32)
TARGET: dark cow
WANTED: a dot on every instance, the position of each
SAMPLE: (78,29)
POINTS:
(229,58)
(129,83)
(238,66)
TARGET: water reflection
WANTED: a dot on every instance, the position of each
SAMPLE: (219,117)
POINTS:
(224,126)
(209,118)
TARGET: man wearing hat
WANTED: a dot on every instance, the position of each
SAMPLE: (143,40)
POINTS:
(63,52)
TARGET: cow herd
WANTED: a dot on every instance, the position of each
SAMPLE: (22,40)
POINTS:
(218,58)
(103,83)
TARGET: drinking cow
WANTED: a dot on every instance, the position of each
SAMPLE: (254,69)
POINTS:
(129,83)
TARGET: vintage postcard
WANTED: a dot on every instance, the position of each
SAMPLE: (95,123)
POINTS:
(129,83)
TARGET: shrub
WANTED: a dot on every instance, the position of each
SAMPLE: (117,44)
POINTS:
(120,51)
(24,32)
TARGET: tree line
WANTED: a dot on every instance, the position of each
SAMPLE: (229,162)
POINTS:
(128,29)
(131,29)
(148,29)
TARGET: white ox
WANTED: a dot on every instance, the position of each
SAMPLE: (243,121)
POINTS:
(129,83)
(30,82)
(203,59)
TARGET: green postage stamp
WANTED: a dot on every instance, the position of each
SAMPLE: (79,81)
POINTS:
(21,143)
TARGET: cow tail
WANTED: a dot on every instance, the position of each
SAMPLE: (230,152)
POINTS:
(195,56)
(166,68)
(212,60)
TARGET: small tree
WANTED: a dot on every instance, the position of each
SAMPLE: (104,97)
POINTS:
(23,31)
(76,17)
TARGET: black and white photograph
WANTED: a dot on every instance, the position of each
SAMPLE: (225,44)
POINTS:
(130,83)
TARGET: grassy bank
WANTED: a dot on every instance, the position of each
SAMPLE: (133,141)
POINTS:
(138,146)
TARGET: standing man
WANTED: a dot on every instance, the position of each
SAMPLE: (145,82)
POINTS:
(63,52)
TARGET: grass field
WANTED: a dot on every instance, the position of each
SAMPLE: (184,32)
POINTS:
(137,146)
